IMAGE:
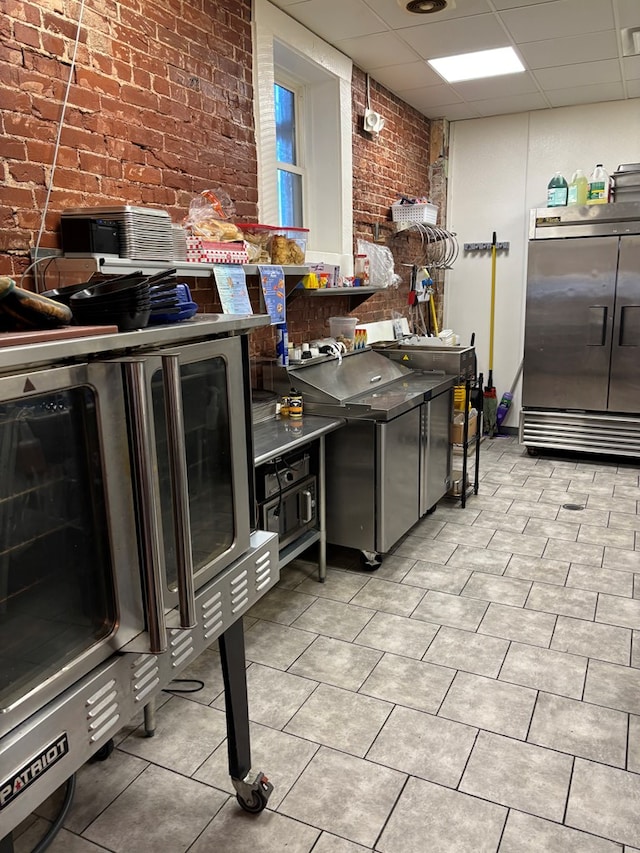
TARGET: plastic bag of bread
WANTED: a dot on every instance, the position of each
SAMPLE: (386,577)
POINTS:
(256,239)
(208,217)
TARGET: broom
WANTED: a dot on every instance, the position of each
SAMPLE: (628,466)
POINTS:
(489,399)
(507,398)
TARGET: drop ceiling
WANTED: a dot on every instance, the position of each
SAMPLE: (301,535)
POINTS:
(573,50)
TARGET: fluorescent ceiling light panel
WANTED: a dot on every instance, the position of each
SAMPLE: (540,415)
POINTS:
(474,66)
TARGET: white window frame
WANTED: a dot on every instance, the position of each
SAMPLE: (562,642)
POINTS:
(297,89)
(279,41)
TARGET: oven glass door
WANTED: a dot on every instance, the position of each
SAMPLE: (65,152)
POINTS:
(215,448)
(59,611)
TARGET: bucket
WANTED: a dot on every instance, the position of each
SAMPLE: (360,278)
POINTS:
(343,329)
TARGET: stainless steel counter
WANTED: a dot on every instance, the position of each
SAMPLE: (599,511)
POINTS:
(280,435)
(201,327)
(406,393)
(393,451)
(277,436)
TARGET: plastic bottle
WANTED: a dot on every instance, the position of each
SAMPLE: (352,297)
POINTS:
(578,188)
(557,191)
(282,340)
(599,186)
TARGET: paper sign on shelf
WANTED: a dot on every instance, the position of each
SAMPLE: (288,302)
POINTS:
(231,282)
(272,282)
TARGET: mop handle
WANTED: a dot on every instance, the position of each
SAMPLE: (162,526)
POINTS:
(432,306)
(493,299)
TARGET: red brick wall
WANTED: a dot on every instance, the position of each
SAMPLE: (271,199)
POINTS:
(161,108)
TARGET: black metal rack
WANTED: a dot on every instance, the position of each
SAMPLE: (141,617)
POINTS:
(467,442)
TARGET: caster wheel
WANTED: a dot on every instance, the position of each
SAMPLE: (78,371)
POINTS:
(257,804)
(370,561)
(104,752)
(431,510)
(532,451)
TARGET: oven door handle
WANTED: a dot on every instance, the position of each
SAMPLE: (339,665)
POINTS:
(305,505)
(180,489)
(149,510)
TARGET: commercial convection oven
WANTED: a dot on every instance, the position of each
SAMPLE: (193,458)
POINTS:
(129,540)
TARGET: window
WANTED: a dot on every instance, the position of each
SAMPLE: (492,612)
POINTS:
(302,106)
(289,172)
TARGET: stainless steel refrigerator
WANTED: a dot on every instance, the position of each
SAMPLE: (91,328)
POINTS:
(581,375)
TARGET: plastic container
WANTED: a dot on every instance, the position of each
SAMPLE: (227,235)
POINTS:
(275,245)
(343,329)
(288,246)
(361,269)
(557,191)
(599,186)
(405,215)
(578,188)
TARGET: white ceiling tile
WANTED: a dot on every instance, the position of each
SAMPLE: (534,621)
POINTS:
(378,51)
(454,112)
(586,94)
(479,32)
(397,17)
(562,18)
(331,19)
(580,74)
(631,67)
(282,4)
(407,76)
(515,4)
(431,96)
(496,87)
(512,104)
(565,51)
(628,13)
(569,46)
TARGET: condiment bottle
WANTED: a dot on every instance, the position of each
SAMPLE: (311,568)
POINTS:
(295,405)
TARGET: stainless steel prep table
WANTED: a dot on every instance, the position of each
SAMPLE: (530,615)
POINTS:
(390,463)
(273,438)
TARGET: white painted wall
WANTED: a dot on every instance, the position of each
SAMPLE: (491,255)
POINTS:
(499,168)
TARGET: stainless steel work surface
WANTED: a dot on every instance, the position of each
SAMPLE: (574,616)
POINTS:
(585,220)
(281,435)
(340,379)
(366,385)
(403,395)
(200,327)
(458,361)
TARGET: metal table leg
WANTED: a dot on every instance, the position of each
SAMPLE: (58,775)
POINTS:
(150,718)
(322,513)
(252,796)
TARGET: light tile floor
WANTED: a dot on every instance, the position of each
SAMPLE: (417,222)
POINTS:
(479,692)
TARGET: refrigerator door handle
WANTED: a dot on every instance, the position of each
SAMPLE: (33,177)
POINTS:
(180,489)
(597,325)
(153,562)
(629,326)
